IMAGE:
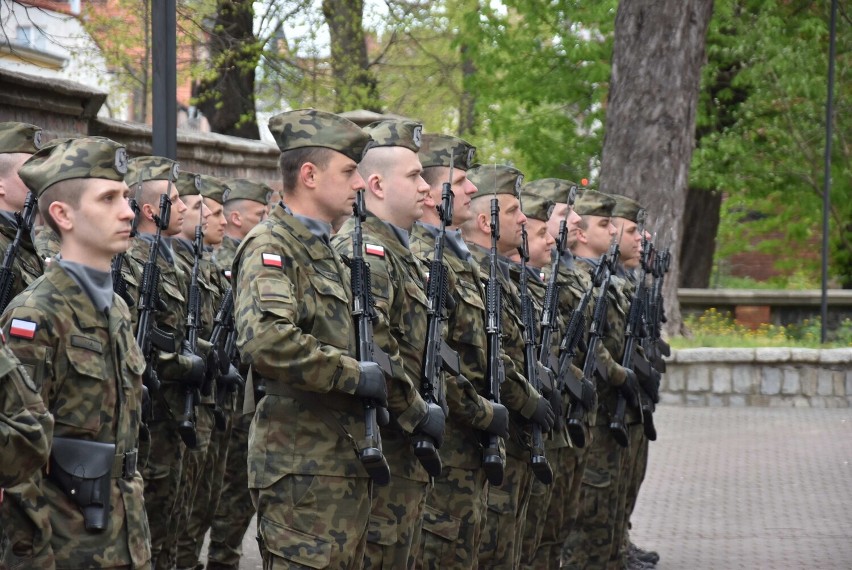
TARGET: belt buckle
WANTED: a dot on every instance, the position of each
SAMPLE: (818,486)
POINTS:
(129,468)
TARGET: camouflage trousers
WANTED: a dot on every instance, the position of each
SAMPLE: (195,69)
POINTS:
(507,512)
(313,521)
(553,509)
(396,523)
(590,541)
(635,459)
(453,520)
(235,509)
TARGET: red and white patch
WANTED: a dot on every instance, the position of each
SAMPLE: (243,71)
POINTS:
(227,273)
(22,329)
(541,275)
(270,260)
(377,250)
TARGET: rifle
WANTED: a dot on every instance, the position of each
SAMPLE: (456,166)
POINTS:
(223,341)
(656,347)
(119,284)
(437,355)
(540,466)
(492,461)
(24,219)
(364,315)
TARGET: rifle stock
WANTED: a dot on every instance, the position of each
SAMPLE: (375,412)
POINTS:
(25,220)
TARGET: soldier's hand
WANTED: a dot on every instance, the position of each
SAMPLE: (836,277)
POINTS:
(628,389)
(590,396)
(650,383)
(499,421)
(432,424)
(555,400)
(371,383)
(543,415)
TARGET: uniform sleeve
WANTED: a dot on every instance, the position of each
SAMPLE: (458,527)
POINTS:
(466,404)
(516,393)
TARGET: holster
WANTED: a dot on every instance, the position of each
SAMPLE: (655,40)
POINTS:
(83,470)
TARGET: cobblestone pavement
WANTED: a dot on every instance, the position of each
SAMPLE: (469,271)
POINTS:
(730,488)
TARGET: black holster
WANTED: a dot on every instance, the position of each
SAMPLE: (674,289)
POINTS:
(83,470)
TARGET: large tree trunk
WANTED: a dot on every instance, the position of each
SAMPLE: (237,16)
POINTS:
(355,85)
(650,123)
(701,216)
(227,96)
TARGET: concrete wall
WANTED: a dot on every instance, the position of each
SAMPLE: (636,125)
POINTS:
(767,377)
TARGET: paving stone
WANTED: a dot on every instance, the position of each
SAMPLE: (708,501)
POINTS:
(818,402)
(779,402)
(759,400)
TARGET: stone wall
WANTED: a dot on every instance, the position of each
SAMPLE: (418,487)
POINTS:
(766,377)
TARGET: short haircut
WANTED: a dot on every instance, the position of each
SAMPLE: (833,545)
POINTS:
(291,162)
(432,175)
(9,161)
(68,191)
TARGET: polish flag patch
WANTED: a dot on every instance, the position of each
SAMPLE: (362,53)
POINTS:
(227,273)
(23,329)
(377,250)
(270,260)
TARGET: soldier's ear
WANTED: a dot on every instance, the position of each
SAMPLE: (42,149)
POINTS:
(308,174)
(483,222)
(61,214)
(375,186)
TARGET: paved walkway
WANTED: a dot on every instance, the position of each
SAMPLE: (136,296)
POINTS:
(752,488)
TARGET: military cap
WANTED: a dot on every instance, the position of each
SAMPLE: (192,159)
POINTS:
(491,179)
(627,208)
(593,203)
(213,187)
(88,157)
(536,207)
(311,128)
(188,183)
(244,189)
(436,150)
(395,132)
(19,137)
(145,168)
(554,189)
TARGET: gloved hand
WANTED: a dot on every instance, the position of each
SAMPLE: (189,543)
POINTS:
(543,415)
(590,396)
(371,383)
(649,380)
(629,387)
(555,400)
(195,366)
(432,424)
(499,421)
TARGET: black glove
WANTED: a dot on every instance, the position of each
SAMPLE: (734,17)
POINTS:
(590,396)
(629,387)
(432,424)
(543,415)
(371,384)
(555,400)
(197,373)
(649,380)
(499,421)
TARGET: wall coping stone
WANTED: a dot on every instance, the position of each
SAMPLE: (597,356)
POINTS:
(762,355)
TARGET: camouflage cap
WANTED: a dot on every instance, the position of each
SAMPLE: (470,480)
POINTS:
(188,183)
(19,137)
(244,189)
(593,203)
(395,132)
(554,189)
(491,179)
(144,168)
(626,208)
(88,157)
(436,150)
(312,128)
(536,207)
(213,187)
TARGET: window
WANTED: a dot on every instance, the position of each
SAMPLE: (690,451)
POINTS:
(30,36)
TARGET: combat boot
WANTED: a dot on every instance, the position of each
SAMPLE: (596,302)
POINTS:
(647,556)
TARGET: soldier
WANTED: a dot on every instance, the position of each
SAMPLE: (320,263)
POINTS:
(18,142)
(507,503)
(456,506)
(74,335)
(245,207)
(294,323)
(394,198)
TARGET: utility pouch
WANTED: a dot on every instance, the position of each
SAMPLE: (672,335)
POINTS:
(83,470)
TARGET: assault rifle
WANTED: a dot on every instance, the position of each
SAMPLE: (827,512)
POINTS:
(655,346)
(492,461)
(223,342)
(538,461)
(119,284)
(364,314)
(437,355)
(24,219)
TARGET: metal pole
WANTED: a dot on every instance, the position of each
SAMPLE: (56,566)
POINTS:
(826,182)
(164,86)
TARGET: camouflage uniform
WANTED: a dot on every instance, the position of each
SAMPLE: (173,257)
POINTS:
(46,243)
(292,309)
(70,348)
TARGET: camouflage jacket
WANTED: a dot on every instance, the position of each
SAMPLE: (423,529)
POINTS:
(28,265)
(223,256)
(397,279)
(88,368)
(26,427)
(46,242)
(294,323)
(465,333)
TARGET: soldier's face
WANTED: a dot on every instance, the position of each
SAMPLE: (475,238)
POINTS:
(14,189)
(250,214)
(630,246)
(100,226)
(462,189)
(598,234)
(511,223)
(405,191)
(539,242)
(216,222)
(336,186)
(196,212)
(574,220)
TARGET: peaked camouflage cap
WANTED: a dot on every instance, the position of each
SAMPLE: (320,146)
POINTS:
(245,189)
(395,132)
(627,208)
(594,203)
(188,183)
(554,189)
(436,150)
(311,128)
(19,137)
(144,168)
(491,179)
(213,187)
(536,207)
(88,157)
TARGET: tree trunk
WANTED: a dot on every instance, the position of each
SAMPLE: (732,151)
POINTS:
(467,104)
(650,124)
(227,97)
(699,243)
(355,86)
